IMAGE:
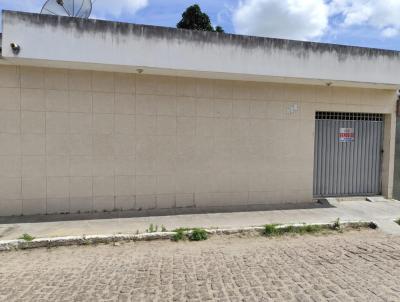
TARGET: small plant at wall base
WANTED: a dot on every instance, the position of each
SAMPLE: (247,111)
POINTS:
(27,237)
(398,221)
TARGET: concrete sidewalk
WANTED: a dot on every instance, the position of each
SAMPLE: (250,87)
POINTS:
(382,212)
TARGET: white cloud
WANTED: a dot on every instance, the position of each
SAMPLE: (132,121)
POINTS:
(103,8)
(293,19)
(383,15)
(390,32)
(311,19)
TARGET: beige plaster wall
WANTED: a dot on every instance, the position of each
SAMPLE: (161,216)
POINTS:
(89,141)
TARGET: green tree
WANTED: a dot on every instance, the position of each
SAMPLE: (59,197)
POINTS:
(193,18)
(219,29)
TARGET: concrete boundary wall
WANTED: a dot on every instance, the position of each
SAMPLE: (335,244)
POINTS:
(78,141)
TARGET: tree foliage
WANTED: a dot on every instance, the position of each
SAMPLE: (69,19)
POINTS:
(219,29)
(193,18)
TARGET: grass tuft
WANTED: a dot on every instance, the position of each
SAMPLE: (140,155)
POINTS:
(180,234)
(152,228)
(271,230)
(198,235)
(336,224)
(27,237)
(194,234)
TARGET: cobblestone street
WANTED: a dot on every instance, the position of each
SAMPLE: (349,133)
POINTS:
(355,266)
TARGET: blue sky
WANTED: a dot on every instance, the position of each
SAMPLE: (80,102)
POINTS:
(370,23)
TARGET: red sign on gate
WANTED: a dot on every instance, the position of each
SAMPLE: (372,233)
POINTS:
(346,135)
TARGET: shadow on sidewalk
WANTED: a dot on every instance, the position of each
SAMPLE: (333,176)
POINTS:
(161,212)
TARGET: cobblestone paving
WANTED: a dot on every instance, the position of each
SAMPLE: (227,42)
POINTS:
(356,266)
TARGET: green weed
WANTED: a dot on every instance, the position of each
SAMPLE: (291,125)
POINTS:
(271,230)
(198,235)
(152,228)
(180,234)
(27,237)
(192,234)
(336,224)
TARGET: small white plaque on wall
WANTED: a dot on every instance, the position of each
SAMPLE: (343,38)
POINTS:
(293,108)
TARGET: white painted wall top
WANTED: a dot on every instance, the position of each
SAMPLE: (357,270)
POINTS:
(94,44)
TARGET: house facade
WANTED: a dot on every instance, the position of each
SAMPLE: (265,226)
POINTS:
(102,116)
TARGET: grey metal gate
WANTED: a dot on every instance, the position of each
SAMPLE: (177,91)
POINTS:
(348,152)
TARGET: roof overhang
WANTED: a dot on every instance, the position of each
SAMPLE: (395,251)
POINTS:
(64,42)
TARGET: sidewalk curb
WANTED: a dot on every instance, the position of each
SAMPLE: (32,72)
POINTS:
(19,244)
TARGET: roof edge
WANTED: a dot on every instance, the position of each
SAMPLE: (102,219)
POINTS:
(244,41)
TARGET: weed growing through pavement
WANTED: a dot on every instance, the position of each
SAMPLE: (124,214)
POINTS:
(194,234)
(374,226)
(271,230)
(27,237)
(152,228)
(198,235)
(86,241)
(336,224)
(179,234)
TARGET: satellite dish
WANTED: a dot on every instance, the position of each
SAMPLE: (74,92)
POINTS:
(69,8)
